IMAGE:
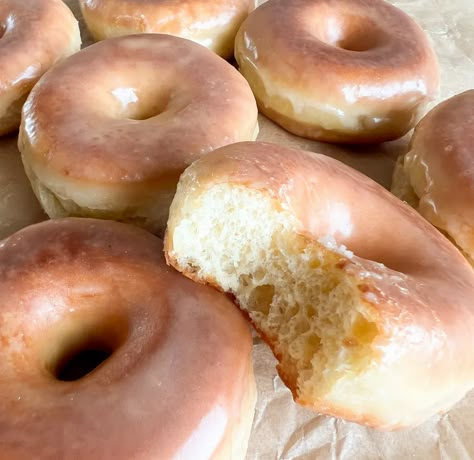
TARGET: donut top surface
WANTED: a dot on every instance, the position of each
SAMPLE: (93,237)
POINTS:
(440,165)
(176,378)
(152,104)
(368,38)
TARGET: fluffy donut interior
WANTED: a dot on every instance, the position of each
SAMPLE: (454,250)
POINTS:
(308,310)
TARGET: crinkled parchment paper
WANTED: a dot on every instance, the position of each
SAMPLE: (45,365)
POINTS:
(282,430)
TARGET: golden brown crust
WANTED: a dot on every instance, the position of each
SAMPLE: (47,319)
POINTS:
(180,352)
(211,23)
(35,34)
(344,70)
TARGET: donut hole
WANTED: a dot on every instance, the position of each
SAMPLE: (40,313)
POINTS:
(82,348)
(351,33)
(6,24)
(82,362)
(3,28)
(144,112)
(134,104)
(358,40)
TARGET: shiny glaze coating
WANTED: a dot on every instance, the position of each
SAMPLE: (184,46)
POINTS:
(440,169)
(113,142)
(418,285)
(211,23)
(179,382)
(34,35)
(349,71)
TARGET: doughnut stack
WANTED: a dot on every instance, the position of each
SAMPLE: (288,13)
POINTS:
(125,325)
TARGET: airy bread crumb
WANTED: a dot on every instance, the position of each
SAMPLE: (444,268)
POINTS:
(310,312)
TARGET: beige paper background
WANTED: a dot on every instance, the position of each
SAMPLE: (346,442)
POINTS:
(282,430)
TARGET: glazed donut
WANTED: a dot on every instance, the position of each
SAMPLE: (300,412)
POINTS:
(211,23)
(368,308)
(436,176)
(176,377)
(18,204)
(34,35)
(113,142)
(346,71)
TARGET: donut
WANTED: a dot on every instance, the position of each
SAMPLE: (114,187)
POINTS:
(34,35)
(112,143)
(108,353)
(436,176)
(368,308)
(211,23)
(18,204)
(344,71)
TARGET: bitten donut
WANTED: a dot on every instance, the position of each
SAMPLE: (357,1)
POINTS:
(211,23)
(34,35)
(436,176)
(348,71)
(112,143)
(174,375)
(368,308)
